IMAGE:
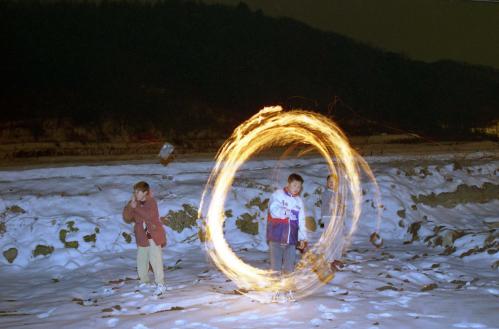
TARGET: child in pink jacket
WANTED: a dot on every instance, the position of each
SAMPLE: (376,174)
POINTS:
(150,235)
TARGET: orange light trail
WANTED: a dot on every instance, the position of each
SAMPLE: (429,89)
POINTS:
(268,128)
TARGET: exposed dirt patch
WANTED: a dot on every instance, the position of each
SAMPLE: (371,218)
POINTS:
(463,194)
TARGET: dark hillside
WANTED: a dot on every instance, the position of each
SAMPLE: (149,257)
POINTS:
(179,68)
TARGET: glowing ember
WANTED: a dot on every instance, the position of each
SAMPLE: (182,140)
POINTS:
(274,127)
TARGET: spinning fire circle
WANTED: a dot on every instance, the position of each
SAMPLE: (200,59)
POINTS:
(274,127)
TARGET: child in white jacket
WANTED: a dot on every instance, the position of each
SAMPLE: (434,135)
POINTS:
(286,228)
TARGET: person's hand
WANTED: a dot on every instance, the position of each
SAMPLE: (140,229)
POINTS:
(336,265)
(133,202)
(302,245)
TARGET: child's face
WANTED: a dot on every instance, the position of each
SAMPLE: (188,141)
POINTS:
(330,183)
(140,195)
(294,187)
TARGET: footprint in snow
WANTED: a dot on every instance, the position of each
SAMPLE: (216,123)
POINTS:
(468,325)
(431,316)
(112,322)
(316,322)
(140,326)
(373,316)
(329,313)
(337,291)
(46,314)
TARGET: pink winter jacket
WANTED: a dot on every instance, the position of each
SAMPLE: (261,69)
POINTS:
(147,212)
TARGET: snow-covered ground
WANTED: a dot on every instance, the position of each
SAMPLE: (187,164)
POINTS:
(67,260)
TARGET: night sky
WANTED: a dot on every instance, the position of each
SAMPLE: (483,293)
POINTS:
(429,30)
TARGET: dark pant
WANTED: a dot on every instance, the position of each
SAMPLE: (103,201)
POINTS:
(282,257)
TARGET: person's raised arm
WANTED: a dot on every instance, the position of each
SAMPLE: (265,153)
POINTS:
(128,211)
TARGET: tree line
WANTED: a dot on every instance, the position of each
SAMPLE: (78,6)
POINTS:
(184,67)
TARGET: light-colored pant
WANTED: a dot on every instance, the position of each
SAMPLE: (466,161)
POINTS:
(153,255)
(282,257)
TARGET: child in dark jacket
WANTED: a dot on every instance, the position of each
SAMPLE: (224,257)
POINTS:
(326,209)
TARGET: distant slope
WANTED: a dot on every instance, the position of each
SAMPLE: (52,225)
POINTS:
(427,30)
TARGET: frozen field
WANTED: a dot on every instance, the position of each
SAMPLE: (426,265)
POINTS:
(68,262)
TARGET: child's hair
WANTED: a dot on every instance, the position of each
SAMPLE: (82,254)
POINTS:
(295,177)
(141,186)
(333,177)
